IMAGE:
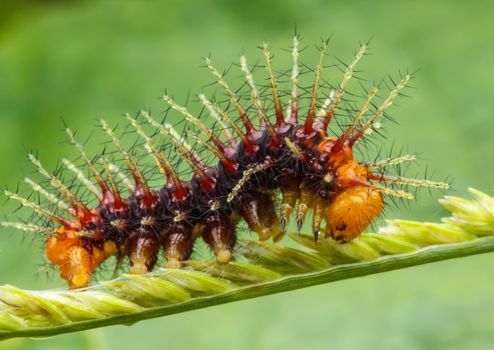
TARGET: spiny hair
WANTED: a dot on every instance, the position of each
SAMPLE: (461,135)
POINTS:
(220,166)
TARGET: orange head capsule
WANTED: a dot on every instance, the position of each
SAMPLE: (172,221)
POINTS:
(352,211)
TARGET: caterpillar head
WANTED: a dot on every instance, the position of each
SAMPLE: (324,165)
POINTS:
(354,202)
(352,211)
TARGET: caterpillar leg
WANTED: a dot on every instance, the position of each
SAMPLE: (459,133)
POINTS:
(289,187)
(320,207)
(76,267)
(177,244)
(219,234)
(258,211)
(143,252)
(304,204)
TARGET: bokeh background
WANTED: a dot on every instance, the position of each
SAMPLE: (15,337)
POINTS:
(81,60)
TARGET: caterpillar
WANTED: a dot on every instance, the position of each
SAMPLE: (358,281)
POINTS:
(273,162)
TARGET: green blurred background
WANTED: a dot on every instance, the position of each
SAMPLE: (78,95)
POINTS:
(80,60)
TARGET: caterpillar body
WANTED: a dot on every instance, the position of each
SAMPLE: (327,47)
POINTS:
(289,150)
